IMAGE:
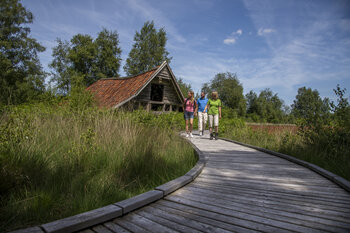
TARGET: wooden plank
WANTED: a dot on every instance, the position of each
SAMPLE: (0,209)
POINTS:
(289,188)
(84,220)
(239,214)
(202,223)
(129,225)
(150,213)
(101,229)
(265,210)
(87,231)
(29,230)
(271,180)
(139,200)
(147,224)
(277,196)
(115,228)
(174,184)
(216,218)
(243,175)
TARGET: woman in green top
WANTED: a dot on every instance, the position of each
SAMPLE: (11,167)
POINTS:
(214,112)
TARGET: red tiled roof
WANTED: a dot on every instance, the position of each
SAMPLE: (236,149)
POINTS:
(113,91)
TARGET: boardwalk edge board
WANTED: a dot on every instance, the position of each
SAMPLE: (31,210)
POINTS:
(139,200)
(29,230)
(109,212)
(343,183)
(83,220)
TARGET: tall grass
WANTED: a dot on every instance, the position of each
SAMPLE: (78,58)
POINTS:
(328,148)
(56,162)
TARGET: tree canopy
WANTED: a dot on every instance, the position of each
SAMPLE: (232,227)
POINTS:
(185,87)
(85,57)
(148,51)
(267,107)
(309,107)
(21,73)
(230,91)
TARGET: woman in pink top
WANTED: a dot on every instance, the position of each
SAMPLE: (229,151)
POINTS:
(189,107)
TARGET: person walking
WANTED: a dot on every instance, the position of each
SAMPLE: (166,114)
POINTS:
(214,112)
(189,107)
(202,115)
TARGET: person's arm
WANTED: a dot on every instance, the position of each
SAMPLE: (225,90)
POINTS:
(206,107)
(220,112)
(196,110)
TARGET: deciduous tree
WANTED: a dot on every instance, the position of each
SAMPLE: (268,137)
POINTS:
(230,91)
(310,108)
(85,57)
(21,75)
(148,50)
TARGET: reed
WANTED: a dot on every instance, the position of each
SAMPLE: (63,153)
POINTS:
(56,162)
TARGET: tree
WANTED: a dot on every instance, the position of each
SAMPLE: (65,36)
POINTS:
(85,58)
(341,109)
(266,107)
(310,108)
(108,54)
(230,91)
(21,75)
(148,51)
(61,65)
(185,87)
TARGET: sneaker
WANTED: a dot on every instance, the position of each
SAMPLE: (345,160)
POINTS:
(187,135)
(191,135)
(211,136)
(216,136)
(200,133)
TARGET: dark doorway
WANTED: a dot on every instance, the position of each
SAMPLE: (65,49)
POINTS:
(157,92)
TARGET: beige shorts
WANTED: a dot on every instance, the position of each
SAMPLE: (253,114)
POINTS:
(213,119)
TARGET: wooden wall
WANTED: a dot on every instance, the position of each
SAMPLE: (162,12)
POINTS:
(170,95)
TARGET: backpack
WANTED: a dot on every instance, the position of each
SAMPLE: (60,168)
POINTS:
(194,106)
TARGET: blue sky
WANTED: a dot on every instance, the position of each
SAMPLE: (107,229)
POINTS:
(281,45)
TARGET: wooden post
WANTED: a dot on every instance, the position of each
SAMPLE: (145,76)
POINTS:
(148,107)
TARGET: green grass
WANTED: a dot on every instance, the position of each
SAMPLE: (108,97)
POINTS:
(56,162)
(327,149)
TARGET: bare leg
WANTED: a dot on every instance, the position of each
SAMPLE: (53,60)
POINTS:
(191,124)
(216,129)
(186,126)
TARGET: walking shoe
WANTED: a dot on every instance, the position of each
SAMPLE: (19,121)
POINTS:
(216,136)
(187,135)
(211,136)
(200,133)
(191,135)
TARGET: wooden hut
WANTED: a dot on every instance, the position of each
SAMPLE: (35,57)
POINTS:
(155,90)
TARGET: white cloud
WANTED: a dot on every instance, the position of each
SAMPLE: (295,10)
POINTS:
(264,31)
(230,41)
(233,37)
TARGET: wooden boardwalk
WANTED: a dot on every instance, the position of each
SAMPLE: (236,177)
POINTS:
(243,190)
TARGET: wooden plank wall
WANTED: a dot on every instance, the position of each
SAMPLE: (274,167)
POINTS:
(170,96)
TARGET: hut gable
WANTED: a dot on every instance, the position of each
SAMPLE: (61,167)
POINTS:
(155,89)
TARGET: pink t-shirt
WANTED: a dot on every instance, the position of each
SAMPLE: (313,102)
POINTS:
(189,107)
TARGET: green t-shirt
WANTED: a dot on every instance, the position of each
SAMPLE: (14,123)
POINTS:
(214,106)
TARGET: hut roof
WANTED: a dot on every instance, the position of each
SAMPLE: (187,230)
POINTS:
(114,92)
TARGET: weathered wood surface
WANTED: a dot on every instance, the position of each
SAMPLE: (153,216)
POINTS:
(243,190)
